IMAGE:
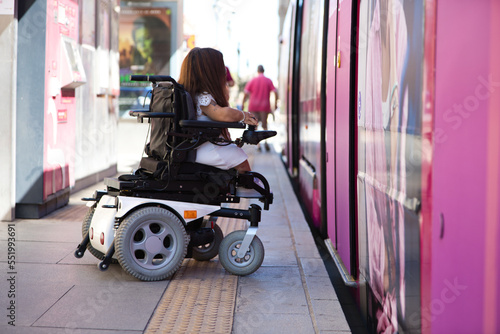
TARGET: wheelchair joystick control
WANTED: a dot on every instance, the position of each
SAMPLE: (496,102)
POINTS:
(251,136)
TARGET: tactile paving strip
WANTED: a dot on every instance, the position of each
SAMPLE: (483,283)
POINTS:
(200,299)
(201,296)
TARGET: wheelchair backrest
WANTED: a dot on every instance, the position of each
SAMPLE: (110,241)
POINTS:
(168,97)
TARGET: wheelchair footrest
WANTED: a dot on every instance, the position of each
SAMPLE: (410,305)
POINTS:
(247,193)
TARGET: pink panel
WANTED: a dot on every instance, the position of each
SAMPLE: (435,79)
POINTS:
(60,108)
(342,132)
(330,121)
(310,108)
(491,271)
(426,179)
(491,246)
(460,165)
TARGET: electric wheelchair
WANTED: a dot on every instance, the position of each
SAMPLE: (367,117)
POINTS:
(149,221)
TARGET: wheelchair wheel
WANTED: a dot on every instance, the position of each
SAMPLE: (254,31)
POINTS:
(209,251)
(229,259)
(85,229)
(151,243)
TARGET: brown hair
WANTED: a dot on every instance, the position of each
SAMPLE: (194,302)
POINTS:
(203,70)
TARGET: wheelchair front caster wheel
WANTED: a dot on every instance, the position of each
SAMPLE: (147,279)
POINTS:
(228,254)
(102,266)
(78,254)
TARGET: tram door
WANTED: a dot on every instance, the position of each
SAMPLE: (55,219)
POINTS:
(340,137)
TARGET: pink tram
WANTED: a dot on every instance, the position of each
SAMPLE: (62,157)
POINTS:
(392,112)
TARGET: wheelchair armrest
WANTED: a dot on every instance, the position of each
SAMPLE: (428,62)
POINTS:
(210,124)
(152,78)
(145,113)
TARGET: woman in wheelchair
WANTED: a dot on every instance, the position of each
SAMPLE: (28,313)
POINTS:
(149,221)
(203,75)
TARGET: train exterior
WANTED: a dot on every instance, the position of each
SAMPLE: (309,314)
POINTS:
(392,117)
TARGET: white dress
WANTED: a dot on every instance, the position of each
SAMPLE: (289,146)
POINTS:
(223,157)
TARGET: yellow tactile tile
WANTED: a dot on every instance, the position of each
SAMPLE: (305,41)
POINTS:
(200,299)
(201,296)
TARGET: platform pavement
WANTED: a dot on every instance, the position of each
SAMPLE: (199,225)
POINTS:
(57,293)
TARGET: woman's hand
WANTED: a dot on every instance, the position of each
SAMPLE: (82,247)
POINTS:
(249,118)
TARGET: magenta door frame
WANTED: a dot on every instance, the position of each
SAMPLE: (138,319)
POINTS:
(465,184)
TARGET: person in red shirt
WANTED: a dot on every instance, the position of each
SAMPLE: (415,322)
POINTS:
(259,91)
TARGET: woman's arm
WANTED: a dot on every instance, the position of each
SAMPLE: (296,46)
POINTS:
(227,114)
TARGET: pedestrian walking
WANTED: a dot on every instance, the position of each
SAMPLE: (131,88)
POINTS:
(258,90)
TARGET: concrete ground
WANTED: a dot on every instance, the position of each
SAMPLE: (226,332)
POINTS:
(48,290)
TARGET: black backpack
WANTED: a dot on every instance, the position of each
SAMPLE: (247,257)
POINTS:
(168,97)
